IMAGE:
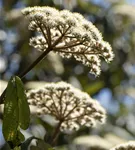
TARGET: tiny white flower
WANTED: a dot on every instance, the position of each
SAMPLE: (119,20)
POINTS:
(68,34)
(67,104)
(125,146)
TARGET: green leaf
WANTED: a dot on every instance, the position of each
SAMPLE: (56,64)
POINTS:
(43,145)
(11,112)
(17,148)
(26,144)
(64,147)
(19,138)
(16,112)
(24,111)
(51,149)
(34,148)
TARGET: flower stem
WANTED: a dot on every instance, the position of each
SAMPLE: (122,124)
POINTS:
(41,57)
(56,133)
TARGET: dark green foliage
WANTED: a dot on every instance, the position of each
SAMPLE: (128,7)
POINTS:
(26,144)
(118,77)
(41,145)
(16,112)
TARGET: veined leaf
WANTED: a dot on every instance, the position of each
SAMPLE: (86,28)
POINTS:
(24,111)
(11,112)
(19,138)
(16,112)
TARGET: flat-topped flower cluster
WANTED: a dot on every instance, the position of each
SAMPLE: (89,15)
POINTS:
(68,34)
(70,106)
(126,146)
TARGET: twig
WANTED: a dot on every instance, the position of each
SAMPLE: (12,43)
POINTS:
(41,57)
(56,133)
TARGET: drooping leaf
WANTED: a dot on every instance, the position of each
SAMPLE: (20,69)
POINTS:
(24,111)
(19,138)
(11,112)
(16,112)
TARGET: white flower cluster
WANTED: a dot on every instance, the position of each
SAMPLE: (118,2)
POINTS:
(70,106)
(68,34)
(126,146)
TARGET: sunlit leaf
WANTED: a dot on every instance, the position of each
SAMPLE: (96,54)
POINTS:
(24,111)
(11,112)
(16,112)
(18,139)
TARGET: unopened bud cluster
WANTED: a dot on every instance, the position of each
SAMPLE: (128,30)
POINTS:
(70,106)
(126,146)
(68,34)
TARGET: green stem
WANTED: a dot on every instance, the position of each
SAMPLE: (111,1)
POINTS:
(50,47)
(41,57)
(56,133)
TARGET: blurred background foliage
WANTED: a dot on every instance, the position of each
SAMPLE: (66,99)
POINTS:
(114,89)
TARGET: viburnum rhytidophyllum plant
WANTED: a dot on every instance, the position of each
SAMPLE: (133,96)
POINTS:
(71,107)
(68,34)
(125,146)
